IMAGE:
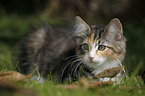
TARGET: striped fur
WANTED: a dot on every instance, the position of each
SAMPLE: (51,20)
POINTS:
(66,53)
(110,36)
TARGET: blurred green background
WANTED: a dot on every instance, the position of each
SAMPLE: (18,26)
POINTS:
(20,17)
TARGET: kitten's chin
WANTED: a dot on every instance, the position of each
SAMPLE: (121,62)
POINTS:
(92,64)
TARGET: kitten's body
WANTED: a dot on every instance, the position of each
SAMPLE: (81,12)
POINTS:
(64,53)
(47,50)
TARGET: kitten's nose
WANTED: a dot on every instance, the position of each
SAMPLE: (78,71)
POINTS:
(91,58)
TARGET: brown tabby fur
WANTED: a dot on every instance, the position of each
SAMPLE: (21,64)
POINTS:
(58,50)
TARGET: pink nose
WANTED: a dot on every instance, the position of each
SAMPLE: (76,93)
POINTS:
(91,58)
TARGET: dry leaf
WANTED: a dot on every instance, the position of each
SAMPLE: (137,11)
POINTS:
(68,86)
(7,89)
(13,76)
(101,84)
(129,88)
(112,72)
(85,84)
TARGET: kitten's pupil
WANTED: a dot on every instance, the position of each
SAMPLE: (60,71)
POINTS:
(101,48)
(85,46)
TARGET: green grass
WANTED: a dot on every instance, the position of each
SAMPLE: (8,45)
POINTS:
(134,85)
(5,58)
(13,28)
(49,88)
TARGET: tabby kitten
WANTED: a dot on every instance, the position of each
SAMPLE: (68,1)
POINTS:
(86,50)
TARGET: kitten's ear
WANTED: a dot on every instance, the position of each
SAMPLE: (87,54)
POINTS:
(81,27)
(114,31)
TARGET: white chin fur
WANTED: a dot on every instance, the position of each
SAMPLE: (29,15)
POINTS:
(106,65)
(94,63)
(101,66)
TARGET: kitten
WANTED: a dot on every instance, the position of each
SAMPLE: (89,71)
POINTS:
(86,50)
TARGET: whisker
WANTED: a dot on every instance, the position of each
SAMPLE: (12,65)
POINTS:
(85,35)
(76,69)
(71,56)
(71,60)
(69,63)
(74,66)
(81,66)
(64,69)
(75,61)
(73,69)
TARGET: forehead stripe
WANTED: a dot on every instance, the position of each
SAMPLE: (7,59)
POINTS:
(92,37)
(113,49)
(96,35)
(99,42)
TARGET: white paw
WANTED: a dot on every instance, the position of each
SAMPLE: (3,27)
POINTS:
(38,79)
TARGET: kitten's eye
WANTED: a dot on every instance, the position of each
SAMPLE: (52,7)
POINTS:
(101,48)
(85,46)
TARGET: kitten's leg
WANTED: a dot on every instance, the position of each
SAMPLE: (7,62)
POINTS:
(117,79)
(38,79)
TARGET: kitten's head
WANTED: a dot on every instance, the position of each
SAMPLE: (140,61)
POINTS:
(99,44)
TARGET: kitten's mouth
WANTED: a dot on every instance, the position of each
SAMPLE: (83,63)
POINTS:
(92,63)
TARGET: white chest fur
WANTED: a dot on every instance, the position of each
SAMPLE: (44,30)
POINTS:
(106,65)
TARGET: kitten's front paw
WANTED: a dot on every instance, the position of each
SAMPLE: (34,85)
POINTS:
(38,79)
(116,80)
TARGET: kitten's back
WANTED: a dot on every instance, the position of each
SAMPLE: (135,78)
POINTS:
(47,49)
